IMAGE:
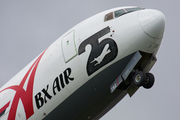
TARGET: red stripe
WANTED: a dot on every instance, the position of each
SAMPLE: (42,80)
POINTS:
(4,108)
(26,96)
(117,81)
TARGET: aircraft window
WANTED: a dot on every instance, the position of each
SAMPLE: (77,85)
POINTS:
(109,16)
(132,9)
(119,13)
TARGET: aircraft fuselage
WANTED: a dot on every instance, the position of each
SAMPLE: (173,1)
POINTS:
(75,77)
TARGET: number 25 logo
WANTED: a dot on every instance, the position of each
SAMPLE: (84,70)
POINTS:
(101,53)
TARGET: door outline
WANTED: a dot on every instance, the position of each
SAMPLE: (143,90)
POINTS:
(68,45)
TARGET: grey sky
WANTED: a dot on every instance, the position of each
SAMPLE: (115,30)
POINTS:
(27,27)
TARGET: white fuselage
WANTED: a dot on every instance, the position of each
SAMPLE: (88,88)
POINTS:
(75,58)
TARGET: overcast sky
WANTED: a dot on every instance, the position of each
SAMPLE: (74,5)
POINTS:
(27,27)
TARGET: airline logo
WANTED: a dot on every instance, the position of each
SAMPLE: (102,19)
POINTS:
(26,96)
(59,83)
(101,53)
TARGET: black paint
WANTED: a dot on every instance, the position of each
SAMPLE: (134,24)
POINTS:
(97,48)
(57,85)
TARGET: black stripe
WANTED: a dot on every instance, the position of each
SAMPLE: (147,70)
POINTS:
(93,99)
(2,113)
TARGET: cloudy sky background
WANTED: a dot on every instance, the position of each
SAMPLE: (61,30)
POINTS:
(27,27)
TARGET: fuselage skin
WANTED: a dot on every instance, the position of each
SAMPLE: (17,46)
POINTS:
(71,78)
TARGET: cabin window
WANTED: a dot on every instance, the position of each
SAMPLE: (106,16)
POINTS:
(119,13)
(132,9)
(109,16)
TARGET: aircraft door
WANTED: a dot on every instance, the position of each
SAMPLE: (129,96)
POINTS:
(69,47)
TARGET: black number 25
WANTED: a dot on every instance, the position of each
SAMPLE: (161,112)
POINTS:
(101,53)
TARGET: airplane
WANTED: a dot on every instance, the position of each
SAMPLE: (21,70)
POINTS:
(89,69)
(100,58)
